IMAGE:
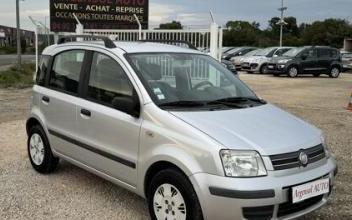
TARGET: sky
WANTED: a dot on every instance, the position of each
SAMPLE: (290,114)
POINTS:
(193,13)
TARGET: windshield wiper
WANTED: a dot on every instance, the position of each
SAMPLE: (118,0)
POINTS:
(182,104)
(237,100)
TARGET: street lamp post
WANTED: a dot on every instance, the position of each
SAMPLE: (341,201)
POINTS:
(19,61)
(282,22)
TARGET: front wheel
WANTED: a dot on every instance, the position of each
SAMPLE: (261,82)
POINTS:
(293,72)
(263,69)
(171,197)
(334,72)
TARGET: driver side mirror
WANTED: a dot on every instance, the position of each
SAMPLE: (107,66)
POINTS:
(129,105)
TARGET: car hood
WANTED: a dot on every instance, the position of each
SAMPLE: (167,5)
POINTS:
(266,129)
(276,59)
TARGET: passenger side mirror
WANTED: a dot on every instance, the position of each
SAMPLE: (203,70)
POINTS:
(129,105)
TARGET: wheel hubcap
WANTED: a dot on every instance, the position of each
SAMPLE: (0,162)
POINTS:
(293,72)
(169,204)
(335,72)
(36,149)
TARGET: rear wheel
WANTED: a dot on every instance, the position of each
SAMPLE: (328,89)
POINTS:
(39,151)
(334,72)
(293,72)
(171,196)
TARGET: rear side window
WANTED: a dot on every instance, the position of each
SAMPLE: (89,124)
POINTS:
(324,53)
(66,71)
(42,70)
(107,81)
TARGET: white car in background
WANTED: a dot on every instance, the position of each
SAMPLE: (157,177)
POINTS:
(237,61)
(258,62)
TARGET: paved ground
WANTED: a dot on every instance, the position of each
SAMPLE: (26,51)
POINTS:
(72,193)
(12,59)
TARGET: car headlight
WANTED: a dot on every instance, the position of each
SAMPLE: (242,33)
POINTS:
(326,147)
(283,61)
(242,163)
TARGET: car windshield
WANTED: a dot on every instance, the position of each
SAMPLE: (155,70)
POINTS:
(252,53)
(234,50)
(190,80)
(293,52)
(265,52)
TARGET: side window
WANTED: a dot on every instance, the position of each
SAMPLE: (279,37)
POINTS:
(107,81)
(42,70)
(310,53)
(323,53)
(66,71)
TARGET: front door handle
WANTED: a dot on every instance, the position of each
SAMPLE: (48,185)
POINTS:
(46,99)
(86,112)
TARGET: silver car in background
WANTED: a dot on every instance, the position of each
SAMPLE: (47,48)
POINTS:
(258,62)
(237,61)
(174,126)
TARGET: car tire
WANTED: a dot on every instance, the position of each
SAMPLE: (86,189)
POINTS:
(263,69)
(39,151)
(292,72)
(316,74)
(334,72)
(171,196)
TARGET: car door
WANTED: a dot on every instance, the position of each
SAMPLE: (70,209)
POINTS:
(109,138)
(308,62)
(324,60)
(59,98)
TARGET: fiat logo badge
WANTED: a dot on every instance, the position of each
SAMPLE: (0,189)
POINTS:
(303,158)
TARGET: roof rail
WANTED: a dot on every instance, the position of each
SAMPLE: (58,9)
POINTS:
(172,42)
(69,38)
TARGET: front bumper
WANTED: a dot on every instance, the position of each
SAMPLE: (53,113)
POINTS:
(277,68)
(259,198)
(250,67)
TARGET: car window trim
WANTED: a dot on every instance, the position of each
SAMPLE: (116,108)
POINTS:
(86,78)
(81,73)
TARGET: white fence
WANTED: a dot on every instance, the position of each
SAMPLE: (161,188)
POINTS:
(199,38)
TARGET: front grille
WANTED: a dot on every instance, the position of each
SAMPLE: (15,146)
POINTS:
(291,160)
(258,213)
(290,208)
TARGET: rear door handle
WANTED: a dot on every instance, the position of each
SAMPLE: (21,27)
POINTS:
(86,112)
(46,99)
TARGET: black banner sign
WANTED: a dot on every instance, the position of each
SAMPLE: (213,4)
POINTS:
(98,14)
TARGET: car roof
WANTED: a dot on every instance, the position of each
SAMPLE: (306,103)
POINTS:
(127,47)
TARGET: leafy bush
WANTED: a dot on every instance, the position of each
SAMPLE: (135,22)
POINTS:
(17,78)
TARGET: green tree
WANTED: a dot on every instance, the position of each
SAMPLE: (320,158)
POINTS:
(330,32)
(174,25)
(241,33)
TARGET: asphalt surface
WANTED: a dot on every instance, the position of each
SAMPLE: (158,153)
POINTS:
(6,60)
(72,193)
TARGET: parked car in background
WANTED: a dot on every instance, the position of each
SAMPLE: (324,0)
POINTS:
(314,60)
(229,65)
(346,60)
(226,49)
(238,51)
(237,61)
(258,62)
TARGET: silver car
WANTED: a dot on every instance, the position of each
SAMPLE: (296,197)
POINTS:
(177,128)
(258,62)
